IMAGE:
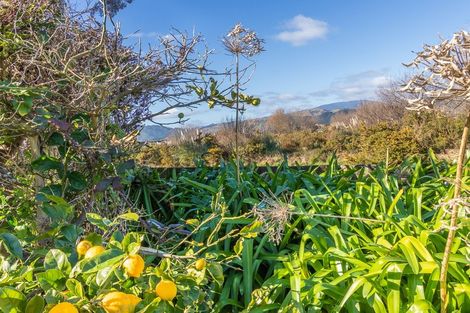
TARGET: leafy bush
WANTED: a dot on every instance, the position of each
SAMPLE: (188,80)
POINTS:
(48,277)
(412,135)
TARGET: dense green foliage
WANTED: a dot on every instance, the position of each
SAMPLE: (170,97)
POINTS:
(356,239)
(411,136)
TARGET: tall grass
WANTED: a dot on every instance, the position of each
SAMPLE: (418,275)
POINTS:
(355,240)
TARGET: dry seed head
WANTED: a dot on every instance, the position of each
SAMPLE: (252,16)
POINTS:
(443,74)
(274,214)
(240,40)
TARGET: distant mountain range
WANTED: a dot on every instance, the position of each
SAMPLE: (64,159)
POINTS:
(154,133)
(322,115)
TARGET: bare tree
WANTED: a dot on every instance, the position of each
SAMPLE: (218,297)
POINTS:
(71,73)
(280,122)
(79,64)
(443,78)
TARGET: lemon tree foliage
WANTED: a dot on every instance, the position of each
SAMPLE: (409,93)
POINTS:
(113,278)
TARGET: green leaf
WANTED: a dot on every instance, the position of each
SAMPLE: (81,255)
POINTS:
(421,306)
(238,248)
(129,217)
(45,163)
(247,265)
(216,271)
(56,259)
(55,190)
(107,258)
(255,101)
(252,230)
(11,300)
(198,185)
(103,275)
(76,181)
(394,273)
(23,106)
(131,242)
(58,209)
(100,222)
(12,244)
(51,279)
(80,135)
(358,283)
(70,232)
(410,256)
(75,287)
(35,305)
(94,238)
(211,103)
(56,139)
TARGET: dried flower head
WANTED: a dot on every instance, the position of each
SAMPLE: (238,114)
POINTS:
(240,40)
(462,203)
(444,74)
(274,214)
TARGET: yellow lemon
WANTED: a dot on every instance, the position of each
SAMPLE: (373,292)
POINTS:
(134,265)
(94,251)
(64,307)
(166,290)
(120,302)
(200,264)
(83,246)
(133,301)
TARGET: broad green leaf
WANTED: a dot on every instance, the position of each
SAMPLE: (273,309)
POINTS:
(24,105)
(51,279)
(107,258)
(252,230)
(45,163)
(129,216)
(238,248)
(12,244)
(35,305)
(75,287)
(56,259)
(76,181)
(216,271)
(11,300)
(100,222)
(131,242)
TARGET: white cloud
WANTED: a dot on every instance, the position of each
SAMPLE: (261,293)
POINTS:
(173,111)
(353,87)
(302,29)
(142,34)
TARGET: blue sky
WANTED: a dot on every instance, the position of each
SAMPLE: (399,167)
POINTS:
(316,51)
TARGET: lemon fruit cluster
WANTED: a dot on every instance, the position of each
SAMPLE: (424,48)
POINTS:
(86,249)
(120,302)
(117,301)
(64,307)
(166,290)
(134,265)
